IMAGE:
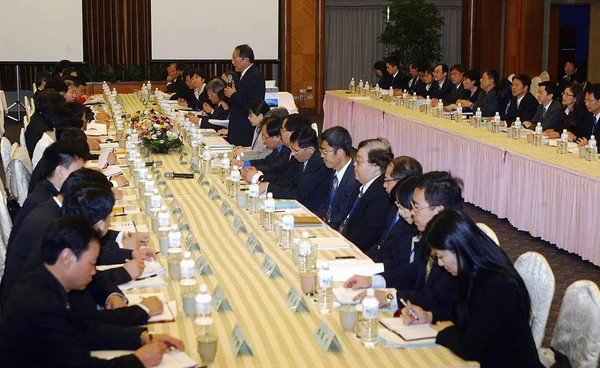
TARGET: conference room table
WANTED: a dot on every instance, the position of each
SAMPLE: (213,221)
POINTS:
(550,195)
(277,336)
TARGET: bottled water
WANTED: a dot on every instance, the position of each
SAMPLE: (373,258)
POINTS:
(235,181)
(196,153)
(206,158)
(413,102)
(428,105)
(225,163)
(253,197)
(478,117)
(187,266)
(459,112)
(174,263)
(370,319)
(351,87)
(592,142)
(269,211)
(538,128)
(564,137)
(188,296)
(305,248)
(518,123)
(287,230)
(391,93)
(360,86)
(203,321)
(325,294)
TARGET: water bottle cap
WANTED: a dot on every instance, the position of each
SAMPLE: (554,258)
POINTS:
(203,288)
(370,292)
(226,156)
(459,104)
(305,234)
(591,136)
(155,191)
(269,195)
(325,265)
(539,124)
(254,180)
(479,109)
(163,208)
(497,113)
(564,130)
(173,227)
(187,254)
(428,97)
(288,211)
(235,167)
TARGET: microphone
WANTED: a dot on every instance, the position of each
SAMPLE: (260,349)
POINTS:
(154,163)
(229,80)
(173,175)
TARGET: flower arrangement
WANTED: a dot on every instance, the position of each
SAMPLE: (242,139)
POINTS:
(155,130)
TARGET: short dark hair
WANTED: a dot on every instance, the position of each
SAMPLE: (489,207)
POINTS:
(41,77)
(257,107)
(393,61)
(67,232)
(550,87)
(272,126)
(245,51)
(60,153)
(60,66)
(278,112)
(77,108)
(380,65)
(405,189)
(444,67)
(459,68)
(404,166)
(71,81)
(187,72)
(55,114)
(473,75)
(57,85)
(573,62)
(503,88)
(493,75)
(380,152)
(67,123)
(525,79)
(295,122)
(45,99)
(441,189)
(84,175)
(94,202)
(180,66)
(595,90)
(338,137)
(305,137)
(198,72)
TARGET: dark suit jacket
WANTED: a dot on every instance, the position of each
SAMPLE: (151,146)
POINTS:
(437,293)
(489,102)
(585,127)
(549,120)
(34,132)
(38,329)
(178,87)
(198,103)
(526,110)
(393,250)
(345,190)
(251,87)
(367,221)
(421,90)
(219,113)
(309,185)
(400,82)
(562,84)
(456,94)
(274,162)
(413,83)
(442,92)
(497,333)
(385,81)
(282,169)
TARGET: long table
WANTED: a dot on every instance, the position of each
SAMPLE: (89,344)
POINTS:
(278,336)
(551,196)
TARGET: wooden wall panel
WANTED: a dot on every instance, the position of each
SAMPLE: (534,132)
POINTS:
(481,34)
(523,31)
(554,69)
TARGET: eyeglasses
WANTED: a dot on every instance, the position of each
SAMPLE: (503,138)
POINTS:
(326,151)
(590,101)
(388,180)
(417,208)
(295,152)
(567,94)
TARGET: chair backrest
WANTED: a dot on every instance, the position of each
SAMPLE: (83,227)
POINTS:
(5,152)
(25,121)
(489,232)
(19,174)
(3,104)
(535,85)
(22,138)
(544,76)
(5,227)
(539,280)
(577,330)
(32,101)
(34,88)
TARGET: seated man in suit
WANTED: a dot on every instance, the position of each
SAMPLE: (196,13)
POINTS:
(198,97)
(337,153)
(522,104)
(37,326)
(310,184)
(187,97)
(588,125)
(364,218)
(258,114)
(415,79)
(215,108)
(549,111)
(457,73)
(175,82)
(489,100)
(37,124)
(423,279)
(443,85)
(391,247)
(271,138)
(392,65)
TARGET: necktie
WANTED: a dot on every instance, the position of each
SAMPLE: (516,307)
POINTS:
(595,121)
(544,111)
(334,187)
(342,228)
(391,226)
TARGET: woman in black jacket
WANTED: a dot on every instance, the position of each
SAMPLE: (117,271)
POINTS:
(491,319)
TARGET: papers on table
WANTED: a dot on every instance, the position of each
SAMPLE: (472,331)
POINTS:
(223,123)
(347,295)
(409,332)
(172,359)
(332,243)
(149,282)
(129,197)
(151,268)
(343,269)
(111,170)
(217,144)
(125,210)
(306,221)
(128,227)
(94,129)
(169,308)
(282,205)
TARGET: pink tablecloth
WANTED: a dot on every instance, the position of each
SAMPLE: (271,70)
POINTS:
(556,204)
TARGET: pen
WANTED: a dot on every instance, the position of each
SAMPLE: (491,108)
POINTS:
(134,226)
(410,311)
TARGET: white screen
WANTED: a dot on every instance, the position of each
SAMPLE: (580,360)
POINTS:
(41,30)
(210,30)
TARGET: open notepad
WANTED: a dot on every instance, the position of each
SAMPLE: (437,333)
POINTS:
(149,282)
(169,307)
(409,332)
(94,129)
(128,226)
(172,359)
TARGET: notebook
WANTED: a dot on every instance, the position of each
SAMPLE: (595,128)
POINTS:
(409,332)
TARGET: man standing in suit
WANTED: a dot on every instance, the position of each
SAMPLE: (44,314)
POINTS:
(309,185)
(522,105)
(251,87)
(38,327)
(570,72)
(364,218)
(549,112)
(337,152)
(442,85)
(589,124)
(392,65)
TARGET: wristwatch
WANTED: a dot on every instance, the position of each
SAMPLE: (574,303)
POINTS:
(389,298)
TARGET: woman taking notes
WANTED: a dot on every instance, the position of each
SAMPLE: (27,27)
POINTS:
(490,323)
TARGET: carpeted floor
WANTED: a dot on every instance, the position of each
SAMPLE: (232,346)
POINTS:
(567,267)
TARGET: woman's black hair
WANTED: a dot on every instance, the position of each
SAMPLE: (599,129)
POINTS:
(404,190)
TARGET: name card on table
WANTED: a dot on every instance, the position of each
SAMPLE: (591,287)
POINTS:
(202,266)
(219,302)
(183,226)
(192,244)
(212,192)
(202,179)
(157,174)
(173,204)
(326,339)
(167,193)
(295,300)
(238,342)
(226,209)
(180,150)
(194,169)
(270,267)
(176,210)
(238,225)
(254,245)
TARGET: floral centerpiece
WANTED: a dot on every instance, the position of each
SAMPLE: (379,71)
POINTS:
(155,130)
